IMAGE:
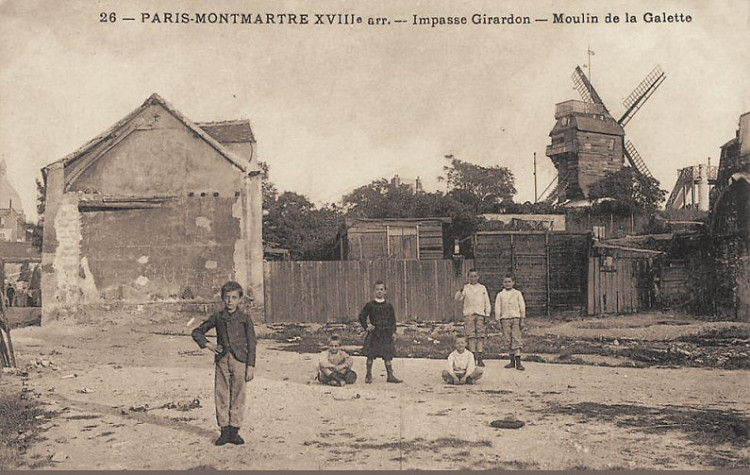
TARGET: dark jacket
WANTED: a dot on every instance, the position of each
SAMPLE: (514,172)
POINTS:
(234,332)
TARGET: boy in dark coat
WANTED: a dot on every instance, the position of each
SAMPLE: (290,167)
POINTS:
(235,360)
(379,321)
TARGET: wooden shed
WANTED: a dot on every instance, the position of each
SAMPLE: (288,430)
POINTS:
(550,268)
(392,238)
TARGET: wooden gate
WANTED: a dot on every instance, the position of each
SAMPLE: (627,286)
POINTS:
(620,280)
(550,268)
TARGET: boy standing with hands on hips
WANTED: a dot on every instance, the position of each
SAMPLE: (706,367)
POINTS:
(510,310)
(235,360)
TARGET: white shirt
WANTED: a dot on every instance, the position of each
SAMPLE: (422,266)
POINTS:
(476,299)
(461,362)
(510,304)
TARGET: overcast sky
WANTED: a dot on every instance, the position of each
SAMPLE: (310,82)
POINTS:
(335,107)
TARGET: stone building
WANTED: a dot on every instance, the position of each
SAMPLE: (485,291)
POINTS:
(155,209)
(730,226)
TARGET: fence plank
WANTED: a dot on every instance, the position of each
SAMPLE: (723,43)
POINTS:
(335,291)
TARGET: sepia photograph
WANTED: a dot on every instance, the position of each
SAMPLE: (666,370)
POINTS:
(353,235)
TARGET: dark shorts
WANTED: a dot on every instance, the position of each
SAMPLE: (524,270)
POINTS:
(379,345)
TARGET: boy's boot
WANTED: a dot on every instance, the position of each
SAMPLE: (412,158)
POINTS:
(368,377)
(234,436)
(224,437)
(519,366)
(391,378)
(480,362)
(512,363)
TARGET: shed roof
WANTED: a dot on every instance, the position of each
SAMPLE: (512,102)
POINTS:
(15,251)
(349,222)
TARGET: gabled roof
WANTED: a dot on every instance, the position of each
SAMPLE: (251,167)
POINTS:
(229,131)
(607,126)
(114,132)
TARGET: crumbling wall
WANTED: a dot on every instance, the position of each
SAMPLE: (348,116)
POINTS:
(180,249)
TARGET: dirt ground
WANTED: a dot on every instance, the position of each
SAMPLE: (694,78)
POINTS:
(131,396)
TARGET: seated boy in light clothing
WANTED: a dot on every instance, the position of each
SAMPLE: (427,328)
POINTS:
(335,365)
(460,368)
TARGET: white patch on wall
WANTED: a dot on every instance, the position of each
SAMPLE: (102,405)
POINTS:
(87,284)
(211,265)
(203,222)
(142,280)
(66,259)
(143,260)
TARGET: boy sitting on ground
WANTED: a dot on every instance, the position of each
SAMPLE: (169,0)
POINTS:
(335,365)
(461,368)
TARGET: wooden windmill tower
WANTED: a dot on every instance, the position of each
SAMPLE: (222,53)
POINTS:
(587,141)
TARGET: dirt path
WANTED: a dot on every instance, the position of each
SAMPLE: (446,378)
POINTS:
(122,411)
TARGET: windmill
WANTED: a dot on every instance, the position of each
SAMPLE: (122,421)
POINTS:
(587,141)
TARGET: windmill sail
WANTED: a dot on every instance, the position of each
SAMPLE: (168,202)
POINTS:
(636,161)
(640,95)
(585,88)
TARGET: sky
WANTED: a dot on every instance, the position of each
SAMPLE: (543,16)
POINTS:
(336,107)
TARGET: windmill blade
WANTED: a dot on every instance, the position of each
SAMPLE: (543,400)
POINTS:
(585,88)
(636,161)
(641,93)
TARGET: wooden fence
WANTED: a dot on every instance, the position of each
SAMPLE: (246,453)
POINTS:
(335,291)
(550,268)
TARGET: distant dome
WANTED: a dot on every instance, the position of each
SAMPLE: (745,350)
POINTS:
(8,194)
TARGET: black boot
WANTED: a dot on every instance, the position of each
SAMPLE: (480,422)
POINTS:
(519,366)
(224,437)
(480,362)
(391,378)
(512,363)
(234,436)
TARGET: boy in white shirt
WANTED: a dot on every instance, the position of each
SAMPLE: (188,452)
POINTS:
(477,308)
(510,310)
(461,368)
(335,365)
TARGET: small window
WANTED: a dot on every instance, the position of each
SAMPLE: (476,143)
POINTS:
(2,220)
(599,232)
(611,145)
